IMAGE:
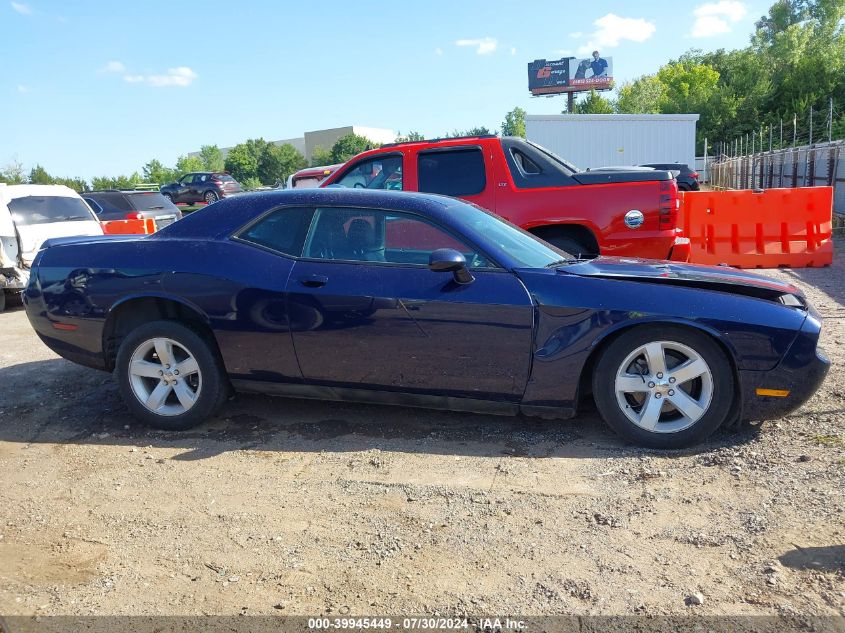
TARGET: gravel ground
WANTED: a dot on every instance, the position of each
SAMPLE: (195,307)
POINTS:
(299,507)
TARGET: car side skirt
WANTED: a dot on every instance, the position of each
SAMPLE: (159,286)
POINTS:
(399,398)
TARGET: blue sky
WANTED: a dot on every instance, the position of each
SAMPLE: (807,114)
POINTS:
(99,88)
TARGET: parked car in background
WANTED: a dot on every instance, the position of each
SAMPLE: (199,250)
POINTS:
(631,213)
(310,177)
(688,179)
(204,186)
(30,214)
(133,205)
(421,300)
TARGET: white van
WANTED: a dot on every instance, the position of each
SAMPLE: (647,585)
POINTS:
(30,214)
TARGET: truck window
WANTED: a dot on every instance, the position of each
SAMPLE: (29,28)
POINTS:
(382,172)
(458,172)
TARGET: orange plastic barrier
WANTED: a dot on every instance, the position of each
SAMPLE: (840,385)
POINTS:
(129,227)
(759,229)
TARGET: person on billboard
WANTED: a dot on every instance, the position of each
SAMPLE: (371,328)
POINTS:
(598,65)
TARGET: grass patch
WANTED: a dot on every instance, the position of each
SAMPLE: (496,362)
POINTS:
(830,441)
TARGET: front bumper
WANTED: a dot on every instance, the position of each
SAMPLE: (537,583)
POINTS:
(769,395)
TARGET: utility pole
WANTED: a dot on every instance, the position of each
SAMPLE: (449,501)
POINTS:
(781,134)
(770,138)
(570,102)
(794,128)
(830,122)
(811,125)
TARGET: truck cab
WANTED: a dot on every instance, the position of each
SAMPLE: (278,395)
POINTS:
(624,213)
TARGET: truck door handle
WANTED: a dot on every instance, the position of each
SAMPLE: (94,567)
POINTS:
(314,281)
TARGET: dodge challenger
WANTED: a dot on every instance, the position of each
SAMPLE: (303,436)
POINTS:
(419,300)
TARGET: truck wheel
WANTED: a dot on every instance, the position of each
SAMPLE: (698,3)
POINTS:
(664,386)
(169,377)
(571,246)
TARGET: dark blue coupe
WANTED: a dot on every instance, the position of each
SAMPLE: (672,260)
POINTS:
(419,300)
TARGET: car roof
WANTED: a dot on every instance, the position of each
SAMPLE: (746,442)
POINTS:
(225,216)
(11,192)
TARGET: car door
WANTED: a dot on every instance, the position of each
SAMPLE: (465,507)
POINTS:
(458,171)
(183,189)
(366,311)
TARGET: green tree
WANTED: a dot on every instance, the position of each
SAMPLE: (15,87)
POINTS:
(350,145)
(39,176)
(13,173)
(77,184)
(514,123)
(321,157)
(409,137)
(187,164)
(479,130)
(644,95)
(155,171)
(277,162)
(116,182)
(594,103)
(212,158)
(242,159)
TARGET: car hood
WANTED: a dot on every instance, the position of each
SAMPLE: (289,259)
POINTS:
(722,278)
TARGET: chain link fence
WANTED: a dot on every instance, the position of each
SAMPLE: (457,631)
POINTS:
(822,164)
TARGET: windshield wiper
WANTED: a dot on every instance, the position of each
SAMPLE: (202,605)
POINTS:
(563,262)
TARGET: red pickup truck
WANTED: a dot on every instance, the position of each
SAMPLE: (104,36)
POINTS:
(615,212)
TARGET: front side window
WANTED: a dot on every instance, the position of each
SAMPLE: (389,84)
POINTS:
(458,172)
(48,209)
(282,230)
(383,172)
(187,180)
(368,235)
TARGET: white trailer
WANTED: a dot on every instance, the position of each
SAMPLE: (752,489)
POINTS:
(605,140)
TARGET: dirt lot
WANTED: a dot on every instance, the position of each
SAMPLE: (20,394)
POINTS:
(299,507)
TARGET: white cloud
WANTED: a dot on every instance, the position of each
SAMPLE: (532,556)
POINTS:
(23,9)
(576,34)
(563,52)
(482,45)
(613,29)
(438,51)
(180,76)
(713,18)
(23,89)
(114,67)
(513,50)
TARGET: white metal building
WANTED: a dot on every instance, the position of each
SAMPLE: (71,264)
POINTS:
(602,140)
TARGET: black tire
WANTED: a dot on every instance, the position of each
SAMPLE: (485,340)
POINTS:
(571,246)
(169,196)
(2,300)
(210,197)
(215,386)
(723,381)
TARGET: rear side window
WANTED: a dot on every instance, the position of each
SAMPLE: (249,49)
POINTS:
(150,202)
(282,230)
(457,172)
(112,202)
(49,209)
(223,177)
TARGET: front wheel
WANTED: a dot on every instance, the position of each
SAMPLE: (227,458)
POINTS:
(169,377)
(664,387)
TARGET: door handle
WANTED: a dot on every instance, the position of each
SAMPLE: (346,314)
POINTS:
(314,281)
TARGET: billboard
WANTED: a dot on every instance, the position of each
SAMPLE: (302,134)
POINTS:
(570,74)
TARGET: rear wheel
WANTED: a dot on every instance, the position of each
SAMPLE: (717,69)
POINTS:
(210,197)
(168,196)
(169,376)
(664,387)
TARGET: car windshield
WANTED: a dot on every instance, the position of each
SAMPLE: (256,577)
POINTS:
(529,250)
(47,209)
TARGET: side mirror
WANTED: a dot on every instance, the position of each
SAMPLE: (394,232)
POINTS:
(448,260)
